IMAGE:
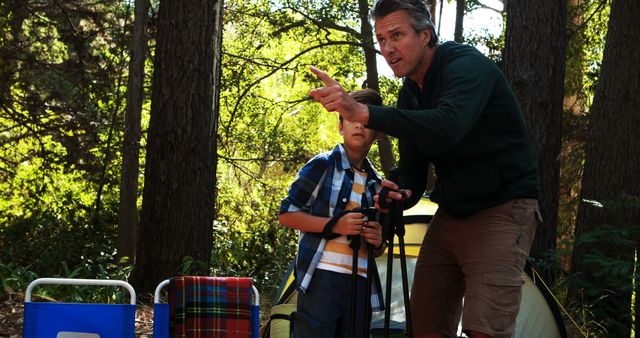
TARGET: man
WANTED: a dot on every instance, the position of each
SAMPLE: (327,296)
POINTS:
(456,110)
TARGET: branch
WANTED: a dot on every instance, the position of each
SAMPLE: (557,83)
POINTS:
(328,25)
(288,28)
(13,114)
(246,171)
(263,159)
(591,16)
(67,17)
(282,65)
(249,59)
(484,6)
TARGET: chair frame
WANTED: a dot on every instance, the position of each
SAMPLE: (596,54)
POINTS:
(63,319)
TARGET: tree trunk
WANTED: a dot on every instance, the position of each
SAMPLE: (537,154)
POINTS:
(610,195)
(128,209)
(534,65)
(573,134)
(457,35)
(366,31)
(178,198)
(217,77)
(433,6)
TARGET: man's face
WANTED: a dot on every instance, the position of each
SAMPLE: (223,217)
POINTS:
(403,47)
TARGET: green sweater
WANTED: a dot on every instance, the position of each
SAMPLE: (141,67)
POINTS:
(467,121)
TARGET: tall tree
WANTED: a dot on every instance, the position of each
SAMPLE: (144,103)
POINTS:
(610,194)
(128,209)
(587,29)
(178,198)
(433,8)
(534,62)
(459,29)
(387,160)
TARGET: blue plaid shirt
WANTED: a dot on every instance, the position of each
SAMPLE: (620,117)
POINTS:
(322,188)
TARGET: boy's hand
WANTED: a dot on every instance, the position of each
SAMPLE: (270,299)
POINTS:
(350,223)
(334,98)
(372,233)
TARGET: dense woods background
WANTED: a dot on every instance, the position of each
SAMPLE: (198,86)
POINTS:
(140,139)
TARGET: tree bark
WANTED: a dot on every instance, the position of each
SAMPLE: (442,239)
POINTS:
(610,194)
(178,198)
(128,209)
(433,8)
(385,148)
(458,31)
(534,64)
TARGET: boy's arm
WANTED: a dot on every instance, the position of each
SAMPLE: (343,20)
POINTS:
(302,221)
(349,224)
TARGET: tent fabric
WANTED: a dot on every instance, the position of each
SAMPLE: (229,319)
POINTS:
(534,313)
(539,316)
(287,287)
(280,320)
(536,319)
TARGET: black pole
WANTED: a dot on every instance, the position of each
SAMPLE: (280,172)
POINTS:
(355,246)
(390,235)
(394,225)
(368,310)
(405,279)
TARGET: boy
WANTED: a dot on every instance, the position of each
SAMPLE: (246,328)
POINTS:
(328,185)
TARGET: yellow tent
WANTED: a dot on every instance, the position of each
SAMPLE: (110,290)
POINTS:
(416,222)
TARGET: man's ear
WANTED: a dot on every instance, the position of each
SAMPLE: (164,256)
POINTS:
(340,127)
(426,35)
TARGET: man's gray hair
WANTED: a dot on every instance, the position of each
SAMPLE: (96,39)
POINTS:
(418,11)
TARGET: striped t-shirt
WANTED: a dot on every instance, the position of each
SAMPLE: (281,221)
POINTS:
(337,255)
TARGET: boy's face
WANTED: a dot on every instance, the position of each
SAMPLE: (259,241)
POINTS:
(356,136)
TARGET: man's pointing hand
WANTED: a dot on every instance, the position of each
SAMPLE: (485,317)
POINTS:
(334,98)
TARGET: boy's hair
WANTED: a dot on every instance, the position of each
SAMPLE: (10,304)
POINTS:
(366,96)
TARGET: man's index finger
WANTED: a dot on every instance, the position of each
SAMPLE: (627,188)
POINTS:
(324,77)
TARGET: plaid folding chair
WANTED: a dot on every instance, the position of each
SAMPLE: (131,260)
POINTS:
(207,307)
(79,320)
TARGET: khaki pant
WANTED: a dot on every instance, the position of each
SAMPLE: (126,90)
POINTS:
(480,258)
